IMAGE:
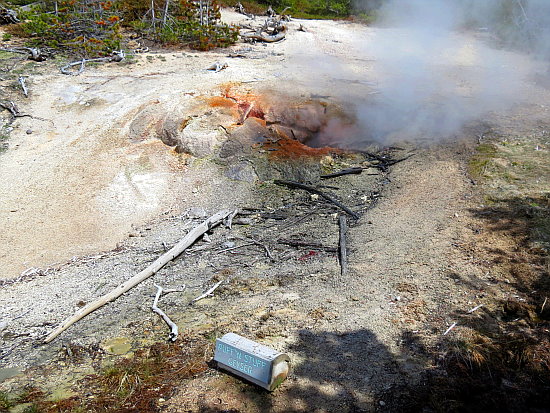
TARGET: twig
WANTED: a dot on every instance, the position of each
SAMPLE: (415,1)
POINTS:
(449,329)
(117,56)
(229,220)
(343,225)
(21,81)
(356,170)
(477,307)
(160,262)
(308,188)
(208,293)
(235,248)
(267,252)
(173,327)
(543,304)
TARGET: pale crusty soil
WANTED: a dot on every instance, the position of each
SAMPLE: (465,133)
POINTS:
(79,185)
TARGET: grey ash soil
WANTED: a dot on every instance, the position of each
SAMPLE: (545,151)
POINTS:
(353,340)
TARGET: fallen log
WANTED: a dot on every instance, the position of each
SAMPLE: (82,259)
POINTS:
(117,56)
(268,38)
(160,262)
(32,52)
(308,188)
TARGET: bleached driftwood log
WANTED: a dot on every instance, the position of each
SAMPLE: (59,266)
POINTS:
(116,56)
(270,32)
(160,262)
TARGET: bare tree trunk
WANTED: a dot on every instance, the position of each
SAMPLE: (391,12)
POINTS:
(165,13)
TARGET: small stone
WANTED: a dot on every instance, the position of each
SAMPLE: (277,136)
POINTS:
(196,212)
(228,244)
(29,131)
(382,403)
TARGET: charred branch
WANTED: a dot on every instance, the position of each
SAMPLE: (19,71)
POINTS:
(292,184)
(342,247)
(306,244)
(350,171)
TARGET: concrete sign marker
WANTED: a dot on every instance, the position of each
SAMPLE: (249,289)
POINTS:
(252,361)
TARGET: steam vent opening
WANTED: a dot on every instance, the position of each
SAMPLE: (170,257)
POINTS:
(275,137)
(301,126)
(260,136)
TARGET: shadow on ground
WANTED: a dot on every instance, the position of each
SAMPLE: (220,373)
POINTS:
(500,362)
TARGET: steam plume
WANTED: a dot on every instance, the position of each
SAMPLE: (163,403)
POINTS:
(439,64)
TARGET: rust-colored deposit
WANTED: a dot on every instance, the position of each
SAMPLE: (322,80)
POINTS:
(291,148)
(289,126)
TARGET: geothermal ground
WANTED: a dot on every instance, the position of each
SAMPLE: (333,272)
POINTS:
(120,162)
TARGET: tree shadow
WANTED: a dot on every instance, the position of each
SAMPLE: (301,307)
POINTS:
(342,372)
(500,361)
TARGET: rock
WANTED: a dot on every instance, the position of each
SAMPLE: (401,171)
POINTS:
(194,136)
(196,212)
(144,123)
(242,171)
(29,131)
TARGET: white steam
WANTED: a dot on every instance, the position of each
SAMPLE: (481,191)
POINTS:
(440,64)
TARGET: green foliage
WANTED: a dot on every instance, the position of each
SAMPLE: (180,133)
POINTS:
(86,28)
(92,27)
(184,23)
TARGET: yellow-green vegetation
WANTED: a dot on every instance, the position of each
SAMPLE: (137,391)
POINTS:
(137,383)
(93,28)
(501,359)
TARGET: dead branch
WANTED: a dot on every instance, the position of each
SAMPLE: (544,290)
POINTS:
(8,16)
(229,221)
(160,262)
(342,248)
(235,247)
(305,244)
(239,8)
(477,307)
(117,56)
(449,329)
(267,252)
(308,188)
(21,81)
(32,53)
(356,170)
(173,327)
(270,32)
(207,293)
(14,111)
